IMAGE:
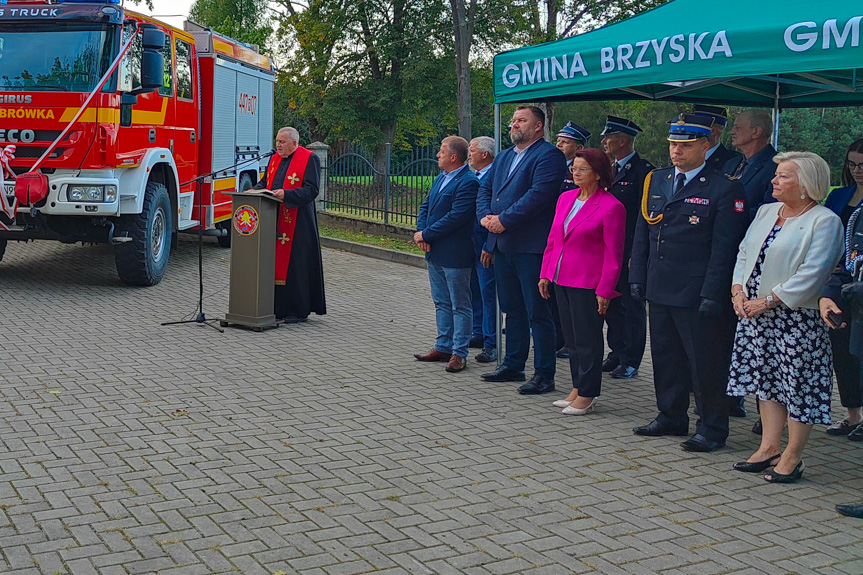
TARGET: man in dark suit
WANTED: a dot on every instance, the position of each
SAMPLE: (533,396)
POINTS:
(516,204)
(755,168)
(626,318)
(570,139)
(682,260)
(445,232)
(718,155)
(480,156)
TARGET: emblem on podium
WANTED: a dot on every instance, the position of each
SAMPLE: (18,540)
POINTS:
(246,220)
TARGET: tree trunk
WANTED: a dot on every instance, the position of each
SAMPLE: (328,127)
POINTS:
(463,39)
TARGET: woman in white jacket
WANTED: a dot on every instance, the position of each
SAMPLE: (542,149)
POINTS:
(782,349)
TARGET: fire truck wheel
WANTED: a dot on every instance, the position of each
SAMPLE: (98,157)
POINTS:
(143,261)
(245,184)
(2,249)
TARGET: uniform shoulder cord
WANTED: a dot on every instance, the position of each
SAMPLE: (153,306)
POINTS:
(650,220)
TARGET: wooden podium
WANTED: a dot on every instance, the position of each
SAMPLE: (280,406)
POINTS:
(253,260)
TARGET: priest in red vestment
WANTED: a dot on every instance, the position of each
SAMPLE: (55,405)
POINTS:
(293,176)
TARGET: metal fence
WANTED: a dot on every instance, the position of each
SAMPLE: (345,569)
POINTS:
(392,195)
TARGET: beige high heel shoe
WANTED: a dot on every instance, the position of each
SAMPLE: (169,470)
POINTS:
(570,410)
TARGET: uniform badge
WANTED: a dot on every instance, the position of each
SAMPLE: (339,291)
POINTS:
(738,206)
(246,220)
(694,220)
(697,201)
(656,197)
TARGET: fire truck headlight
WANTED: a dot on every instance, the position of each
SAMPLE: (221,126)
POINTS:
(92,193)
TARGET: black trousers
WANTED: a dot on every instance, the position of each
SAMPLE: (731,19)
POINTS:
(847,368)
(559,337)
(582,329)
(627,325)
(681,337)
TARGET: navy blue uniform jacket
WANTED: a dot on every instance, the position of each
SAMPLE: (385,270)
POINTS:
(628,187)
(446,220)
(525,200)
(691,253)
(720,157)
(756,179)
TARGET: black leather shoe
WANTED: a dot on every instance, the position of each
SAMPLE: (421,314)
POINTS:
(504,373)
(476,341)
(609,364)
(851,510)
(563,353)
(487,355)
(294,319)
(758,428)
(857,434)
(737,411)
(656,429)
(701,444)
(756,466)
(536,386)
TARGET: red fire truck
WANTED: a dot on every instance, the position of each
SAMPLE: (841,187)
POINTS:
(108,120)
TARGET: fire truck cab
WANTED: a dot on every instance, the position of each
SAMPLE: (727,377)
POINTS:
(125,116)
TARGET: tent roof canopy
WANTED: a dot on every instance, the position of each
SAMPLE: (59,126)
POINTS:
(793,54)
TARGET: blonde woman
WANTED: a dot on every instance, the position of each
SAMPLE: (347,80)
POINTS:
(782,349)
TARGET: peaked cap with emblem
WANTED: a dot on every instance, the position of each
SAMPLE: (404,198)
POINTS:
(689,127)
(718,113)
(575,132)
(616,125)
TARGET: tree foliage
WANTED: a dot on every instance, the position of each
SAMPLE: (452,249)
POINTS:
(243,20)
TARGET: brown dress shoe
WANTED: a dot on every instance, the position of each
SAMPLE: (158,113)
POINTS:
(433,355)
(455,364)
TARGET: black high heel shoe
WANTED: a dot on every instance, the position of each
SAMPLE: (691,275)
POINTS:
(756,466)
(786,478)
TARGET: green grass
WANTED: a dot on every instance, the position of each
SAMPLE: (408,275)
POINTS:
(394,219)
(379,241)
(419,182)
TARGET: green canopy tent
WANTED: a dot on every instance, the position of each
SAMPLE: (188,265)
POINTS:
(766,53)
(771,53)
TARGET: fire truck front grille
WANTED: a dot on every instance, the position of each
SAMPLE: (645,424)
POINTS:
(36,152)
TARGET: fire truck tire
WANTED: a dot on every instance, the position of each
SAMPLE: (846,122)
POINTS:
(225,241)
(3,249)
(143,260)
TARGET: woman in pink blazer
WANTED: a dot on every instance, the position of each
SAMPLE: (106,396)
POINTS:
(583,259)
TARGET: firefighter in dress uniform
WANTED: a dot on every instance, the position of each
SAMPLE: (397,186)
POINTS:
(684,251)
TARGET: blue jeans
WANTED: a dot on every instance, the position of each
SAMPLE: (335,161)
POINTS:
(483,297)
(450,291)
(526,312)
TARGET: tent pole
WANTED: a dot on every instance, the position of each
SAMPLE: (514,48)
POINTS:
(776,114)
(499,319)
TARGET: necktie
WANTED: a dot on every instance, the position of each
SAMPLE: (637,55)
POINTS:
(615,167)
(738,173)
(681,181)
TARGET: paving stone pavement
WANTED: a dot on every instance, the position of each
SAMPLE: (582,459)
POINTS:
(323,448)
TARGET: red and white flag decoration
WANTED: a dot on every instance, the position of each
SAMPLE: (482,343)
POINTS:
(7,154)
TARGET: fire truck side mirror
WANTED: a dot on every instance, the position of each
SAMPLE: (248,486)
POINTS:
(152,60)
(126,103)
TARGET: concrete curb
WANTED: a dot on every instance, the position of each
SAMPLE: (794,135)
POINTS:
(385,254)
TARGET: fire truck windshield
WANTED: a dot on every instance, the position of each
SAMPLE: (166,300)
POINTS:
(56,56)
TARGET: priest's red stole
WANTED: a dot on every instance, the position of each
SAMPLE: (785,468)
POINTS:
(287,221)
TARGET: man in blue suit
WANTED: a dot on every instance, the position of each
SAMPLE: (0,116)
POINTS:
(755,168)
(445,232)
(480,156)
(516,203)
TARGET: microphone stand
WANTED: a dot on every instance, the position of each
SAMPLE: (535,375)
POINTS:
(201,318)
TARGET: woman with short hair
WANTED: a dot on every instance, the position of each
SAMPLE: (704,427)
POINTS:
(583,259)
(844,201)
(782,350)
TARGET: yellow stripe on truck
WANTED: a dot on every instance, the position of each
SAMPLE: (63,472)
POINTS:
(112,115)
